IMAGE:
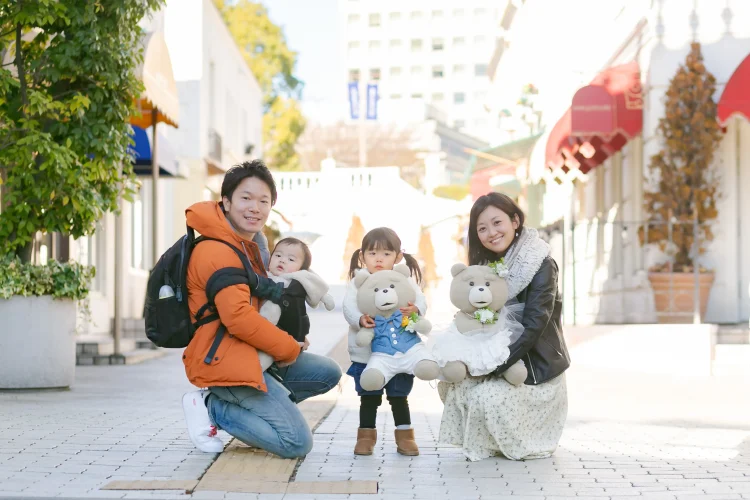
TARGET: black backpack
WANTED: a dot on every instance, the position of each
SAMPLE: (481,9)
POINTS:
(168,320)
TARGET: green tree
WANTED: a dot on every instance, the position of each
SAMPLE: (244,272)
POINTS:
(67,87)
(682,175)
(264,48)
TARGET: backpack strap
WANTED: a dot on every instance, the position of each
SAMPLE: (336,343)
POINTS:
(223,278)
(215,345)
(252,276)
(260,286)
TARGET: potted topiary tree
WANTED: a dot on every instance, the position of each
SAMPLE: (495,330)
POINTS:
(683,190)
(67,87)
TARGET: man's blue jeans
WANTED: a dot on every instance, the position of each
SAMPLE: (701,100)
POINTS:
(270,420)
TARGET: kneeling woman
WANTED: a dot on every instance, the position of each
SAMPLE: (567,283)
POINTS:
(486,415)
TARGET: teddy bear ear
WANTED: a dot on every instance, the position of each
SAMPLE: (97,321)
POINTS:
(457,269)
(360,277)
(403,269)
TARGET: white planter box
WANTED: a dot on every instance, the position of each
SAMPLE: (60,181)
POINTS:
(37,343)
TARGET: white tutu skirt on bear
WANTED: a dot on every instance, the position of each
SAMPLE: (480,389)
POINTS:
(481,350)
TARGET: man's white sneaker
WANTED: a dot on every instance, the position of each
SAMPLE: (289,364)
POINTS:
(202,432)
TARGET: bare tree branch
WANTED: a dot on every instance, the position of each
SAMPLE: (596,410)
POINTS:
(387,145)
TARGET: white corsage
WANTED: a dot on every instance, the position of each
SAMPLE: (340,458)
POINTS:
(408,322)
(486,316)
(499,268)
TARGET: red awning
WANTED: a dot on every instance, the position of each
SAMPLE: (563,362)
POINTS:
(603,117)
(565,151)
(736,96)
(611,107)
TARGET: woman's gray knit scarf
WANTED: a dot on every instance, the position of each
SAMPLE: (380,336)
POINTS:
(524,258)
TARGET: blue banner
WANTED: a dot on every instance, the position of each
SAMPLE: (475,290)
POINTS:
(372,101)
(354,100)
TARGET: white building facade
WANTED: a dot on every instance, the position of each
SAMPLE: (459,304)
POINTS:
(220,125)
(606,266)
(430,51)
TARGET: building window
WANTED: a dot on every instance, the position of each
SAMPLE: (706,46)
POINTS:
(459,124)
(480,70)
(437,44)
(375,74)
(437,71)
(459,98)
(374,20)
(459,69)
(137,232)
(374,45)
(416,96)
(479,39)
(416,45)
(353,45)
(90,254)
(395,97)
(437,14)
(395,71)
(416,70)
(353,18)
(415,15)
(458,13)
(394,16)
(459,41)
(437,97)
(394,44)
(353,75)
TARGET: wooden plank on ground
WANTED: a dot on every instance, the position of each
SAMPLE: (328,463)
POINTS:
(243,469)
(186,485)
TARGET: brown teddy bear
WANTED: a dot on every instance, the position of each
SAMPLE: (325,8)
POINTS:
(484,327)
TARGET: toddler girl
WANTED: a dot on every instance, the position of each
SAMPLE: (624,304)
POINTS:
(380,250)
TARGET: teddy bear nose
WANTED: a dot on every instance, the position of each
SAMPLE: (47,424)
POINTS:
(385,291)
(481,289)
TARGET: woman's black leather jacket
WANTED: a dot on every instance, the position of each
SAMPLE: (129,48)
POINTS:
(541,345)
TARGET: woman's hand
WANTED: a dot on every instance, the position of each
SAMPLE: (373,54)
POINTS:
(366,321)
(409,310)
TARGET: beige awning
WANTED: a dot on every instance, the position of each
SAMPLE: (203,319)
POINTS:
(161,89)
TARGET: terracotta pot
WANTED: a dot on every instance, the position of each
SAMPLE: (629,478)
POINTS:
(673,295)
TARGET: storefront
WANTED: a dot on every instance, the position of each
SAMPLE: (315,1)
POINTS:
(600,148)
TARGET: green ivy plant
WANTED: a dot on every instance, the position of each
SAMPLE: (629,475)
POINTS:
(68,280)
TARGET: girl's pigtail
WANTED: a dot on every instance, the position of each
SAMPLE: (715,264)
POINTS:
(354,264)
(414,268)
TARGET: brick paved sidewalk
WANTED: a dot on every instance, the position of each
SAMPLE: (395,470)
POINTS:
(663,439)
(627,435)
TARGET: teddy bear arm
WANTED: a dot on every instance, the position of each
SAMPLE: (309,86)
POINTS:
(423,326)
(365,336)
(466,324)
(516,374)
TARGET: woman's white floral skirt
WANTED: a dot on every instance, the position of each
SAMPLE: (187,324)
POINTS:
(487,416)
